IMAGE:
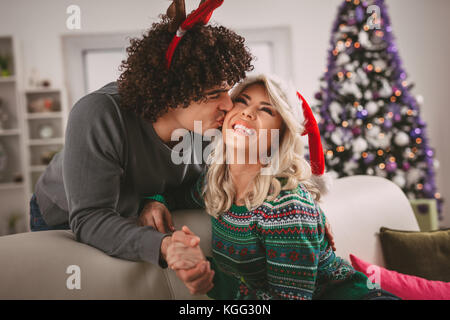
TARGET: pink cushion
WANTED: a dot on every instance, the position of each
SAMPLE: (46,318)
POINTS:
(404,286)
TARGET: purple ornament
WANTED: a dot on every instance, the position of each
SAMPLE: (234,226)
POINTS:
(391,166)
(430,153)
(397,117)
(362,114)
(415,133)
(356,131)
(387,124)
(318,96)
(406,166)
(330,127)
(392,49)
(370,157)
(427,188)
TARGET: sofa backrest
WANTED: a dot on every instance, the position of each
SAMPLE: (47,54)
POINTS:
(357,207)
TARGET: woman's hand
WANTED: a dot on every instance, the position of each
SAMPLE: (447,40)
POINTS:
(179,256)
(189,262)
(156,215)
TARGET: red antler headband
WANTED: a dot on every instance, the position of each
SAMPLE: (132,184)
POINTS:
(201,15)
(317,160)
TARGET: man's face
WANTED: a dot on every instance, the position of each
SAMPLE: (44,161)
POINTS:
(210,112)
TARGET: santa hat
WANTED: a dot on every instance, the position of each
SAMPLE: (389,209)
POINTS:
(317,159)
(303,115)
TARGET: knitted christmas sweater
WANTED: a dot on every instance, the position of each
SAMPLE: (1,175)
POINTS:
(277,251)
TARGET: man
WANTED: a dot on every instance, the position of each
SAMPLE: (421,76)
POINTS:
(118,143)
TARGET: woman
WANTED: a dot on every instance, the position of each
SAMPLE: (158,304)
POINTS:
(268,231)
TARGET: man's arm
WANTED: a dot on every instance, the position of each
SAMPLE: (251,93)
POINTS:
(156,208)
(92,170)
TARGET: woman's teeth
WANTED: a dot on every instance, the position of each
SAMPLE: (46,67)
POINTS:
(244,130)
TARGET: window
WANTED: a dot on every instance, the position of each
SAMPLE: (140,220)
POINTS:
(91,61)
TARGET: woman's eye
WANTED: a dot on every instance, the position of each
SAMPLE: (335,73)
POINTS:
(240,100)
(265,109)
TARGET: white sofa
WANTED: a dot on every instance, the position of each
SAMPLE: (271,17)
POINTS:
(34,265)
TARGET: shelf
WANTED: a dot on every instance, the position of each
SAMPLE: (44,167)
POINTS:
(44,115)
(11,185)
(9,132)
(44,142)
(7,79)
(42,90)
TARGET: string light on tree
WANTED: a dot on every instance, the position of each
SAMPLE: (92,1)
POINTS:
(369,119)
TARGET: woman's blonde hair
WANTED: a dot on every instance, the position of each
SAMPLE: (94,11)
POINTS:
(219,192)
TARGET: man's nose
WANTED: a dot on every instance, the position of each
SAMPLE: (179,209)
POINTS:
(226,104)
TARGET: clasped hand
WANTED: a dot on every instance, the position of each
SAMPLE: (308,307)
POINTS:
(189,262)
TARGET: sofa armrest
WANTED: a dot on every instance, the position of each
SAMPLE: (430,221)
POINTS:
(33,266)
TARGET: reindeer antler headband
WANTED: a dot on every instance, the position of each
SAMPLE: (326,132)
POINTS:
(181,24)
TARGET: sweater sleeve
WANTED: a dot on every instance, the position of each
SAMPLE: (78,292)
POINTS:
(92,170)
(292,250)
(336,278)
(187,196)
(225,286)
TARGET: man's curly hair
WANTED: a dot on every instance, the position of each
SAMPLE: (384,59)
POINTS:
(206,56)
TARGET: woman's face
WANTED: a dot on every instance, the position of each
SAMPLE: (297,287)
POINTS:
(251,114)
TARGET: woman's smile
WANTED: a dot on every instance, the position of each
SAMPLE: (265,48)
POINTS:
(242,128)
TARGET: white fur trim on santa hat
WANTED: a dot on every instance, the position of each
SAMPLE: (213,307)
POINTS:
(324,182)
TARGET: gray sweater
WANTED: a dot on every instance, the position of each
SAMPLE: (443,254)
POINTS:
(112,158)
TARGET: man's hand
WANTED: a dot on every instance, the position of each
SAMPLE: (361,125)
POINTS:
(187,240)
(180,256)
(184,252)
(329,235)
(156,215)
(187,259)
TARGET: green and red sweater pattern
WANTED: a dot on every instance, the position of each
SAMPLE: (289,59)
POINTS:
(277,251)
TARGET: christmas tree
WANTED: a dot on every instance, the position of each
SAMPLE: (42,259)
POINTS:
(369,122)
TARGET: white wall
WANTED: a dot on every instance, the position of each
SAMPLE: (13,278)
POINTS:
(420,28)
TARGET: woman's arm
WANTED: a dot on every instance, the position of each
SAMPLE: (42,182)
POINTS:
(289,234)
